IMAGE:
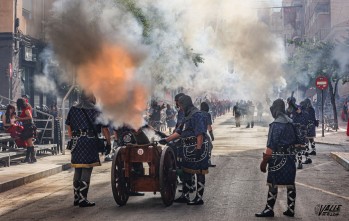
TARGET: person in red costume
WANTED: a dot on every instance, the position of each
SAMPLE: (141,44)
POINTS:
(29,131)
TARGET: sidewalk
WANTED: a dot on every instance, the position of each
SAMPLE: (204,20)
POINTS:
(332,137)
(17,175)
(336,138)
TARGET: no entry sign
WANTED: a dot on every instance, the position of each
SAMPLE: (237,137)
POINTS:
(321,82)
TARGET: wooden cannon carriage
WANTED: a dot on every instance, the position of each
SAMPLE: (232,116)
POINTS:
(160,178)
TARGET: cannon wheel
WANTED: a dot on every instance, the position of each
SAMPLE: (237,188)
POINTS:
(118,181)
(167,176)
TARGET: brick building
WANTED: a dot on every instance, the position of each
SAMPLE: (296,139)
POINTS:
(22,38)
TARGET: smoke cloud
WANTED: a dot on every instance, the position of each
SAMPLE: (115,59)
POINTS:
(227,34)
(91,38)
(103,44)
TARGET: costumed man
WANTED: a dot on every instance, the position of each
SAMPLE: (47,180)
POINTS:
(170,117)
(205,110)
(259,111)
(312,123)
(250,114)
(237,114)
(180,114)
(83,132)
(280,158)
(306,124)
(177,146)
(299,118)
(155,116)
(195,150)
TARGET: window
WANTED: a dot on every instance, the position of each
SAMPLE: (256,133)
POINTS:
(322,7)
(27,9)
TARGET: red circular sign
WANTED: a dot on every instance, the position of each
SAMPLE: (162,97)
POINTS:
(321,82)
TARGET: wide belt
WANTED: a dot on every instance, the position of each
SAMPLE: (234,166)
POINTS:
(189,141)
(83,133)
(284,150)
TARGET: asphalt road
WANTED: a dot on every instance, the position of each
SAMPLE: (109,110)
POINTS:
(235,189)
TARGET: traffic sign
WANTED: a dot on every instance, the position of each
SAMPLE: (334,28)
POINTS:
(321,82)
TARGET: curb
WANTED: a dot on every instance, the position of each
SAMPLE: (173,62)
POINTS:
(33,177)
(341,159)
(328,143)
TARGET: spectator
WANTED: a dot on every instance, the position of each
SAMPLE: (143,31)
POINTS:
(54,110)
(9,121)
(29,131)
(26,98)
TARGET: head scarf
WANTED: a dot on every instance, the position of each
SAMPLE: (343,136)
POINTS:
(86,101)
(307,103)
(178,96)
(303,105)
(187,104)
(278,108)
(204,107)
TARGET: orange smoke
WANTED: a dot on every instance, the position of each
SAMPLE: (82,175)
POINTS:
(110,76)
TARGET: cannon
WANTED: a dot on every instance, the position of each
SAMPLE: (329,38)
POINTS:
(127,177)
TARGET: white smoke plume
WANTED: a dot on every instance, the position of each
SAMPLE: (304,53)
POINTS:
(45,82)
(223,32)
(102,43)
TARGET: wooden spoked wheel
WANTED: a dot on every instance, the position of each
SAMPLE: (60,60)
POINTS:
(119,183)
(167,176)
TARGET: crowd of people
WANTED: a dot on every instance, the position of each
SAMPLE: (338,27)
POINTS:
(291,134)
(189,124)
(290,137)
(21,127)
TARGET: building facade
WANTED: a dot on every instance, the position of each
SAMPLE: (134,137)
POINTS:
(22,39)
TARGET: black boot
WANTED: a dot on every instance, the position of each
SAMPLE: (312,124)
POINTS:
(291,200)
(252,124)
(313,152)
(307,159)
(306,146)
(248,125)
(268,211)
(200,191)
(27,156)
(299,159)
(184,198)
(84,186)
(76,185)
(193,186)
(32,155)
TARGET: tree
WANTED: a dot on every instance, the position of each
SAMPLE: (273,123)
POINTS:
(147,24)
(312,59)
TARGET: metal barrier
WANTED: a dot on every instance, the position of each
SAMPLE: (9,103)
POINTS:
(48,130)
